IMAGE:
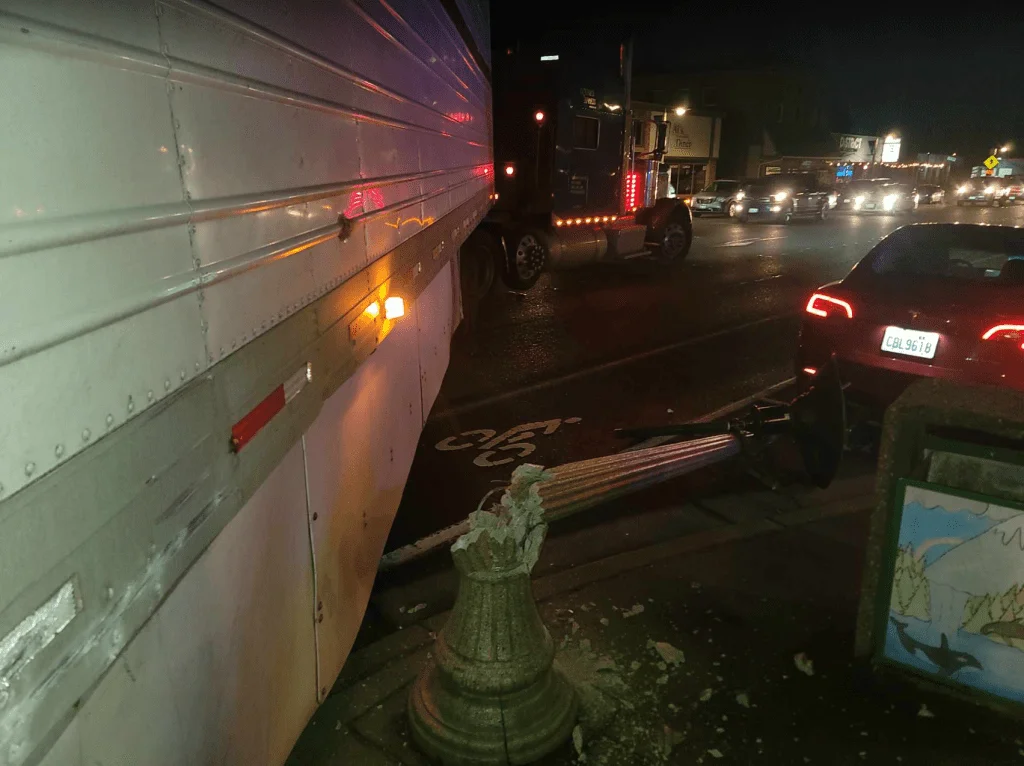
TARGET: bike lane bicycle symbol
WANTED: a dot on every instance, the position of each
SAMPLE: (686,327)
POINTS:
(494,448)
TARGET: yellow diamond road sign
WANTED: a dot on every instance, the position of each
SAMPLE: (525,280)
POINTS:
(991,162)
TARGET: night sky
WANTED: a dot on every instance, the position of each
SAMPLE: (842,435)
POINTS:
(946,82)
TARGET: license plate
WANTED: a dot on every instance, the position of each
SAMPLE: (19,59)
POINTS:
(869,206)
(910,342)
(753,209)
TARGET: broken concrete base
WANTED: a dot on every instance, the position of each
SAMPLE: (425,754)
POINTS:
(491,695)
(474,730)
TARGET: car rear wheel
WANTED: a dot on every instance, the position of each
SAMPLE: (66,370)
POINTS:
(787,217)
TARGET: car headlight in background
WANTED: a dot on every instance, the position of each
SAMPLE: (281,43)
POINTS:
(833,199)
(963,189)
(889,201)
(740,195)
(990,190)
(779,196)
(858,200)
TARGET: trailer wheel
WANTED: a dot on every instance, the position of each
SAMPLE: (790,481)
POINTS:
(480,257)
(527,256)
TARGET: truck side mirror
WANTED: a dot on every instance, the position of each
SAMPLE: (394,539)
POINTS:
(662,144)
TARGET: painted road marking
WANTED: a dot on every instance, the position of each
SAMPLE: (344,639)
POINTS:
(516,439)
(604,367)
(746,242)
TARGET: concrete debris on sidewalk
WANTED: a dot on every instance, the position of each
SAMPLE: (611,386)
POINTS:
(804,664)
(669,653)
(634,611)
(743,700)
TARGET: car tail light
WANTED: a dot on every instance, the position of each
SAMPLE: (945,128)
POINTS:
(1011,332)
(822,305)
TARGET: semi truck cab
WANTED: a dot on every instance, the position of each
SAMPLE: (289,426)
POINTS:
(570,187)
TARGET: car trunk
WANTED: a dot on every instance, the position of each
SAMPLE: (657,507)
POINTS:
(948,308)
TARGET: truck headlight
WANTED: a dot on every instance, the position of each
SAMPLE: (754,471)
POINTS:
(858,200)
(990,190)
(889,201)
(779,196)
(963,189)
(740,195)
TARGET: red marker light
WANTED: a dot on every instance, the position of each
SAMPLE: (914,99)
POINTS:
(819,305)
(632,192)
(539,116)
(810,371)
(510,170)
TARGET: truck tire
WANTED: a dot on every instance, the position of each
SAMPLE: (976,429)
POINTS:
(669,225)
(480,258)
(527,255)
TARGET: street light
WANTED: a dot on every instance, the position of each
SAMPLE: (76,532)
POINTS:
(680,111)
(1004,149)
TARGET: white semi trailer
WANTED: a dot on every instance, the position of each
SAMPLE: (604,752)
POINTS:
(229,275)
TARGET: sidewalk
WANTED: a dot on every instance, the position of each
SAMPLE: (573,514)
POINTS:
(731,643)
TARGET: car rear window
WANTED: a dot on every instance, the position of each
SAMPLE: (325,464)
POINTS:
(962,252)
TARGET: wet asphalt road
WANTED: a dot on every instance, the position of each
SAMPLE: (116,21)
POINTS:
(584,353)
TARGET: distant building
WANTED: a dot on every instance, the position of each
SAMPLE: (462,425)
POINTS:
(772,118)
(691,151)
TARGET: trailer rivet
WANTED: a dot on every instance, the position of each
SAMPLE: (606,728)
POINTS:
(131,404)
(110,420)
(59,451)
(86,434)
(30,468)
(167,384)
(149,395)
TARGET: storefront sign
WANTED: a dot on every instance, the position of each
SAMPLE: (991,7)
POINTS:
(856,148)
(689,136)
(891,149)
(844,171)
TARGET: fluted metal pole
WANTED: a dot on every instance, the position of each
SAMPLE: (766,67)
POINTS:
(574,487)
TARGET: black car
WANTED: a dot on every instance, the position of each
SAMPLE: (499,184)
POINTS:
(718,198)
(783,198)
(930,194)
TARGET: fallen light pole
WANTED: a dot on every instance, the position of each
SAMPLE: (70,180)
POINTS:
(490,695)
(816,419)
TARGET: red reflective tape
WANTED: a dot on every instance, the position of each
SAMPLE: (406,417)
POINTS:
(245,429)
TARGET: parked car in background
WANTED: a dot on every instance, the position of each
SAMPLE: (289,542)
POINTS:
(928,301)
(858,189)
(1014,189)
(879,196)
(783,198)
(718,198)
(985,190)
(930,194)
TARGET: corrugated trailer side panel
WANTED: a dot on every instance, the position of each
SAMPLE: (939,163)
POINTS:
(201,206)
